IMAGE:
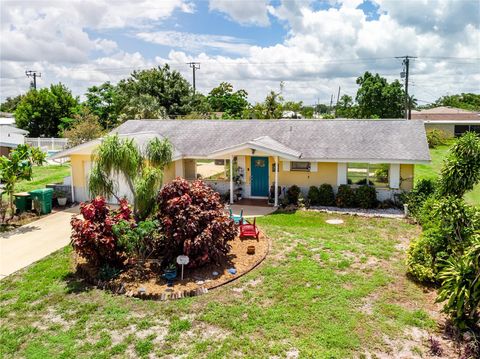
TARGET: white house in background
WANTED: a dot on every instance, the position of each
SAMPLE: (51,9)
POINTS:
(10,136)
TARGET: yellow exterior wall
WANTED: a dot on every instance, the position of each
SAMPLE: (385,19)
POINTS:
(406,177)
(189,167)
(78,169)
(169,172)
(326,173)
(447,128)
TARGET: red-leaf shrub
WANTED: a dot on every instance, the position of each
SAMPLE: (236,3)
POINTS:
(194,223)
(92,236)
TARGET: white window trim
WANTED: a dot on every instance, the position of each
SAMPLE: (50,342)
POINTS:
(309,169)
(286,166)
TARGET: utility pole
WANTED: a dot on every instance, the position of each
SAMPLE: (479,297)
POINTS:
(34,75)
(194,66)
(336,105)
(406,63)
(331,102)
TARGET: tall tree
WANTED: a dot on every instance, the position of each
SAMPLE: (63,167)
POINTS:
(377,98)
(85,127)
(346,108)
(143,106)
(40,112)
(167,86)
(10,104)
(466,101)
(223,99)
(273,105)
(104,102)
(412,104)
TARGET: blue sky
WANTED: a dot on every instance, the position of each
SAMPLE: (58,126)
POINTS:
(312,46)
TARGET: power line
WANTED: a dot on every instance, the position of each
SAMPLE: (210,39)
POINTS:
(194,66)
(34,74)
(406,63)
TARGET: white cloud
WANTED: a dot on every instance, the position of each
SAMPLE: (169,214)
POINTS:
(322,49)
(243,12)
(195,42)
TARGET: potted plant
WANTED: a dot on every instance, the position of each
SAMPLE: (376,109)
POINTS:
(61,197)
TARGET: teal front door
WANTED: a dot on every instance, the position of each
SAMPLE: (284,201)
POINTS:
(259,176)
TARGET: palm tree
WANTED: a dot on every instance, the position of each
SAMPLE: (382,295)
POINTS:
(143,170)
(412,103)
(143,106)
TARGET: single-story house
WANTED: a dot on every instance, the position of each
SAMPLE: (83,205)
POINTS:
(452,121)
(10,135)
(262,154)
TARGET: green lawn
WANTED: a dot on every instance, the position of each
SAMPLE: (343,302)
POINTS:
(324,291)
(432,170)
(43,175)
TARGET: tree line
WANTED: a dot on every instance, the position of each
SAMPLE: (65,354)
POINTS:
(161,92)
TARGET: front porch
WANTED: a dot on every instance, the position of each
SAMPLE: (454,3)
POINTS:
(252,207)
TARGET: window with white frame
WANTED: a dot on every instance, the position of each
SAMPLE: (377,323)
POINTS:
(368,173)
(300,166)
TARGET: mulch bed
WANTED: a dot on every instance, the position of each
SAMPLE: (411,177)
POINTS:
(147,283)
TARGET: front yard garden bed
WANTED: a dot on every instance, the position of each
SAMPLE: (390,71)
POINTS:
(146,283)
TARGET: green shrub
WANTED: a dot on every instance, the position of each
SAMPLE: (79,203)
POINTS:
(415,199)
(425,254)
(326,195)
(292,194)
(436,138)
(461,169)
(366,197)
(460,287)
(345,196)
(313,195)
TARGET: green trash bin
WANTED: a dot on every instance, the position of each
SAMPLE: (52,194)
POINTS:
(45,197)
(23,202)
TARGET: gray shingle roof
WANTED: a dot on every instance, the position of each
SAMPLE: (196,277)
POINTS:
(342,140)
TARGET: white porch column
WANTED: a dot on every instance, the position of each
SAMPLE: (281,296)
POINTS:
(341,173)
(394,175)
(276,181)
(71,184)
(231,179)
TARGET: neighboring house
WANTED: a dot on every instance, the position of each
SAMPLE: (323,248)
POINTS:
(283,152)
(10,136)
(453,121)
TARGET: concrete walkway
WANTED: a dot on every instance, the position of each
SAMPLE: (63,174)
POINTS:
(251,211)
(31,242)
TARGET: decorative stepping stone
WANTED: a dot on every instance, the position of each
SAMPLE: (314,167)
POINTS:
(334,221)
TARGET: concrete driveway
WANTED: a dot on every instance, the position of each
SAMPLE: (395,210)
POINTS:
(31,242)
